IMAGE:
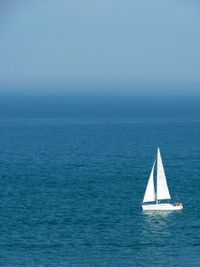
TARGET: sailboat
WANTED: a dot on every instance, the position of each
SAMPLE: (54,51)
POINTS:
(159,200)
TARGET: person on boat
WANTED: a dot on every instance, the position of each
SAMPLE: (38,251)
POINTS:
(179,204)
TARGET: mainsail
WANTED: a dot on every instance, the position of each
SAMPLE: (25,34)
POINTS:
(150,191)
(162,188)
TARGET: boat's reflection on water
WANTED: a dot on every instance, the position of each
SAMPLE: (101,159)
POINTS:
(157,221)
(157,213)
(157,230)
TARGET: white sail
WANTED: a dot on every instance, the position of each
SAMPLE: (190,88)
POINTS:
(150,191)
(162,188)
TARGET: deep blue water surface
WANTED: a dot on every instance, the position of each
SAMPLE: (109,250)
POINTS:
(72,179)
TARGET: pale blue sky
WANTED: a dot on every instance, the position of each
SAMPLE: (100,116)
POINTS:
(110,42)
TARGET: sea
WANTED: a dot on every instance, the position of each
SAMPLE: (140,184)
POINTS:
(73,172)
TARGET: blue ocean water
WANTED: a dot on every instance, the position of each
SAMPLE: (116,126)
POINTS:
(73,174)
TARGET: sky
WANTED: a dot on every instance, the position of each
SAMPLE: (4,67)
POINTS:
(109,43)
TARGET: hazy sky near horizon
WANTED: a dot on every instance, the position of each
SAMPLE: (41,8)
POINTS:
(74,42)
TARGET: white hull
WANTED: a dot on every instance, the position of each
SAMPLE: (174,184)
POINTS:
(162,207)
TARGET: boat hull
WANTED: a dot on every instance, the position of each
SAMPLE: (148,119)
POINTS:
(163,207)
